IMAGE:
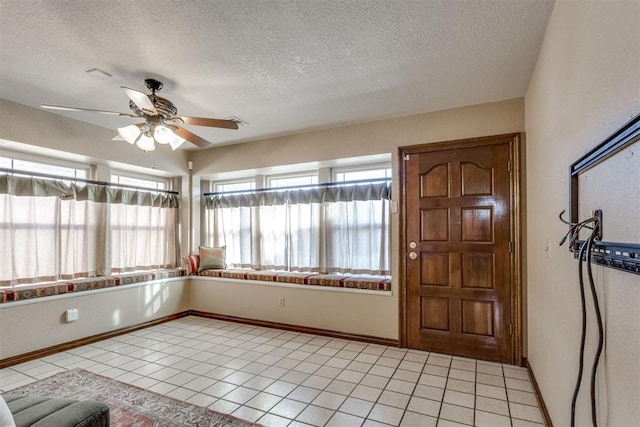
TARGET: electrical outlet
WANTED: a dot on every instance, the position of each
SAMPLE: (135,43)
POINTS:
(71,315)
(282,302)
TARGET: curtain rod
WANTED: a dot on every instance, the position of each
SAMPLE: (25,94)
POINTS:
(86,181)
(299,187)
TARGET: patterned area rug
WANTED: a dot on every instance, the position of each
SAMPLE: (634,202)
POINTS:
(129,406)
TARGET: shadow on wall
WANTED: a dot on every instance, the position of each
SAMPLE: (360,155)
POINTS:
(152,298)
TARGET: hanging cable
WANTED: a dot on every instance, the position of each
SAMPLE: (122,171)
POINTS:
(582,338)
(585,254)
(596,306)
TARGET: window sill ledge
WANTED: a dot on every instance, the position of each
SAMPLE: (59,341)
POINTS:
(35,292)
(376,285)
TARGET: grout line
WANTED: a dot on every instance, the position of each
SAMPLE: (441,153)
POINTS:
(171,338)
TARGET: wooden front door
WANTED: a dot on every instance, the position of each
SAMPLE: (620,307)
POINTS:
(458,212)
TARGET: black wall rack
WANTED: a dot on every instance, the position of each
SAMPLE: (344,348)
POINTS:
(618,255)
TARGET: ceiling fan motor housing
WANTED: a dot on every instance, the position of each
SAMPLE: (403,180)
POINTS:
(153,85)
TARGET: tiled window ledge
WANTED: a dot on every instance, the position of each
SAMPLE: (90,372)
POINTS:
(50,289)
(356,283)
(377,285)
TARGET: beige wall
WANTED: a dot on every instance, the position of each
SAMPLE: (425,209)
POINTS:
(355,313)
(31,326)
(586,84)
(366,139)
(383,136)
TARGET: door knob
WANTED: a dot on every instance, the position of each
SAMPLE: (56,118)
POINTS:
(413,255)
(413,245)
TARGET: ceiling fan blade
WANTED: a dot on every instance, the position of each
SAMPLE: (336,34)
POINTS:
(112,113)
(192,137)
(141,100)
(203,121)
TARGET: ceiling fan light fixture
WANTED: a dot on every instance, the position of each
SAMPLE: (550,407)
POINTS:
(165,135)
(161,123)
(130,133)
(146,143)
(176,143)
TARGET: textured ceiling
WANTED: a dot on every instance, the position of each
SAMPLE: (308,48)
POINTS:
(283,66)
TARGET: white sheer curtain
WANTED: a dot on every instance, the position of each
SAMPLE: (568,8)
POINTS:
(232,227)
(290,237)
(50,230)
(82,239)
(28,233)
(142,237)
(358,237)
(340,227)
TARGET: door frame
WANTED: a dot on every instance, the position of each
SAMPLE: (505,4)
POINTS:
(515,199)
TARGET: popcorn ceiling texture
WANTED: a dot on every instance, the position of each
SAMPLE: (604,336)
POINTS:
(284,66)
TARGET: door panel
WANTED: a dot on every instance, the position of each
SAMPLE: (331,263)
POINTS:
(476,180)
(477,271)
(435,183)
(435,225)
(457,209)
(477,224)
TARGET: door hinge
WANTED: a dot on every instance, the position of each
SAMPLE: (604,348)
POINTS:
(510,246)
(406,157)
(509,166)
(510,328)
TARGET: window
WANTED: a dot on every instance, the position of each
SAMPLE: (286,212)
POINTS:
(235,186)
(356,174)
(6,163)
(291,180)
(44,168)
(61,229)
(330,228)
(139,182)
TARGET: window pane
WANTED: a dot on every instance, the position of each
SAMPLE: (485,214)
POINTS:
(138,182)
(287,181)
(5,162)
(61,171)
(235,186)
(356,175)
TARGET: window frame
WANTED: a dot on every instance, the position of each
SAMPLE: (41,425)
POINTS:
(77,168)
(362,168)
(211,233)
(215,185)
(139,180)
(269,179)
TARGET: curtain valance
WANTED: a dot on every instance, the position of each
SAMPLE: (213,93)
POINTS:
(38,187)
(332,193)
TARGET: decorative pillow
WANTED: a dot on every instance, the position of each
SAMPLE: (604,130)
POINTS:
(212,258)
(6,419)
(190,264)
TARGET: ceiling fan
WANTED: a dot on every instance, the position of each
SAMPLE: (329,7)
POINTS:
(161,122)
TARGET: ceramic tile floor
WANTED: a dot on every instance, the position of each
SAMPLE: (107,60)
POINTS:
(280,378)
